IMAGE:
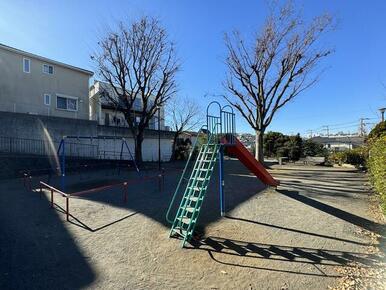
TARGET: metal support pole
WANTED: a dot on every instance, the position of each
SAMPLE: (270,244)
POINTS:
(120,158)
(63,165)
(159,138)
(52,198)
(125,192)
(163,178)
(221,180)
(67,209)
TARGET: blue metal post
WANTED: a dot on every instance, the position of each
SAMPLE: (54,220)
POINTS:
(221,180)
(63,161)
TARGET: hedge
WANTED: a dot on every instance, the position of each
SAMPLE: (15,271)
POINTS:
(356,157)
(377,167)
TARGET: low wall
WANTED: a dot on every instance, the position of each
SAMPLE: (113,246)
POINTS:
(32,134)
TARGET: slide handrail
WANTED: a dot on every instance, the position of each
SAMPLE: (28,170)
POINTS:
(186,167)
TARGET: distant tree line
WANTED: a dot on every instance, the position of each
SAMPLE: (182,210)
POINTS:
(294,147)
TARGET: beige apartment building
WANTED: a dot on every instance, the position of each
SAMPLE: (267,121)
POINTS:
(37,85)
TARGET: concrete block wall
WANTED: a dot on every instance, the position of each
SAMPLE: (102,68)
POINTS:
(32,132)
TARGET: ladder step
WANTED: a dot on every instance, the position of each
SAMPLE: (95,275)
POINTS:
(190,209)
(181,232)
(193,198)
(185,220)
(203,169)
(195,188)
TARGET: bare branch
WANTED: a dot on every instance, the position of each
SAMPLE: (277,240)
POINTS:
(278,65)
(139,64)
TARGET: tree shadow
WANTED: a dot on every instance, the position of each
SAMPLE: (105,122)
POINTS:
(336,212)
(36,249)
(279,253)
(298,231)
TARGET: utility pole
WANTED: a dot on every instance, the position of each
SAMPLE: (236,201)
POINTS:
(382,110)
(362,126)
(310,133)
(327,128)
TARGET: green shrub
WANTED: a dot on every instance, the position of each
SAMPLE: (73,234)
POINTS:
(356,157)
(377,167)
(378,131)
(311,148)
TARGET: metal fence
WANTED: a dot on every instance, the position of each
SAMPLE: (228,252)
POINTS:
(14,145)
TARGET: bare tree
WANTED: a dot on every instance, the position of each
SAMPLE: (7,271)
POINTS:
(274,68)
(184,115)
(139,63)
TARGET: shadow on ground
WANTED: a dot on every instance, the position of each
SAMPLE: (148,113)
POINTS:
(253,250)
(334,211)
(36,250)
(146,198)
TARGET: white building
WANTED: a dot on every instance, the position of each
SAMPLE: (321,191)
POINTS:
(105,112)
(339,143)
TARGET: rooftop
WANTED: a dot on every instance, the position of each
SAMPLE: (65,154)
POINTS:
(355,140)
(25,53)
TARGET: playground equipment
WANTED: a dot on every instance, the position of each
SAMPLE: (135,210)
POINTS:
(88,149)
(220,136)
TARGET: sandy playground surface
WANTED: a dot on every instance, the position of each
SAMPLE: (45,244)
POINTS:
(298,237)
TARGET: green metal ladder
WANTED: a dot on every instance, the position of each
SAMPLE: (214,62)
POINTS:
(193,197)
(188,211)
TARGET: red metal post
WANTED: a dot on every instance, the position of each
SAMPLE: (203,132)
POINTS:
(125,192)
(30,183)
(159,182)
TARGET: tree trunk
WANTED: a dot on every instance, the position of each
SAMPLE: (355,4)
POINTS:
(173,157)
(259,155)
(138,148)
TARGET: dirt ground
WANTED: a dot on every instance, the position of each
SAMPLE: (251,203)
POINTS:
(301,236)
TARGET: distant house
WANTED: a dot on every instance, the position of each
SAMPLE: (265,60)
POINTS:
(339,143)
(105,112)
(37,85)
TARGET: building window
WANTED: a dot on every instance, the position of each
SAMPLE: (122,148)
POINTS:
(26,65)
(47,99)
(66,103)
(48,69)
(137,104)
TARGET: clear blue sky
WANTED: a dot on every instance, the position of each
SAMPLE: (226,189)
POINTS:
(350,88)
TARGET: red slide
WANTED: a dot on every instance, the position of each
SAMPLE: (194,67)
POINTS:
(251,163)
